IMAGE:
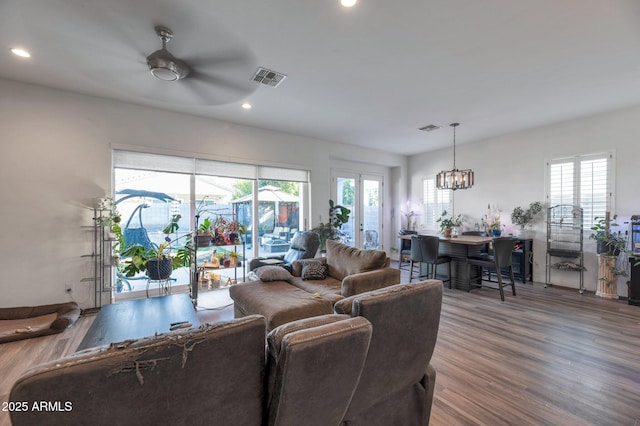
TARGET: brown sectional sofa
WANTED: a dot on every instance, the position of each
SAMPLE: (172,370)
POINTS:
(368,364)
(217,374)
(350,271)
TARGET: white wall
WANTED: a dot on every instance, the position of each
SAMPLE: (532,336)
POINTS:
(56,161)
(510,171)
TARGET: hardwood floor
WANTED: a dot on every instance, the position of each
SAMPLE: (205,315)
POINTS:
(547,356)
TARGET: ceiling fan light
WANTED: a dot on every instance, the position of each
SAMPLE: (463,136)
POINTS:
(164,74)
(162,64)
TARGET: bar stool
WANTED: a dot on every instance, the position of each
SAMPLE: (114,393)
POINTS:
(424,249)
(405,248)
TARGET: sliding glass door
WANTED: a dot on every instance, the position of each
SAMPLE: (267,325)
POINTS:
(267,203)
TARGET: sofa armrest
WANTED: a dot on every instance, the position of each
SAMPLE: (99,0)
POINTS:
(256,262)
(371,280)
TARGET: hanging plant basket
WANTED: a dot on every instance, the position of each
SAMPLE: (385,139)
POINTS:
(159,269)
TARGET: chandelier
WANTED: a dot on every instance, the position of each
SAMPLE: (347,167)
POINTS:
(454,179)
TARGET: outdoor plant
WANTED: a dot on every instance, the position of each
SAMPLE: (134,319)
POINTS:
(523,217)
(338,216)
(110,216)
(138,257)
(205,227)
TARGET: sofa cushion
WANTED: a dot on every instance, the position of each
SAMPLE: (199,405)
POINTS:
(272,273)
(329,288)
(279,302)
(344,260)
(313,370)
(314,270)
(296,267)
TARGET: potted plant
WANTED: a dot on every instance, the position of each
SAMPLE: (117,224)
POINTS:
(609,246)
(607,243)
(233,258)
(204,234)
(492,224)
(448,223)
(233,231)
(220,257)
(338,216)
(158,263)
(523,217)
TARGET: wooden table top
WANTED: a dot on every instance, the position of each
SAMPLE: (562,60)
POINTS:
(469,240)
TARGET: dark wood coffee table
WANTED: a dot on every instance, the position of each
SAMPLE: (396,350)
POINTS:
(139,318)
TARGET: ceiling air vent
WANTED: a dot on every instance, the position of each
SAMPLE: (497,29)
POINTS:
(429,128)
(268,77)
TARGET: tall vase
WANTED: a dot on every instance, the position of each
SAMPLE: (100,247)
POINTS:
(607,280)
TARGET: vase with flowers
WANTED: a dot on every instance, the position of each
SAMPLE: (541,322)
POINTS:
(491,221)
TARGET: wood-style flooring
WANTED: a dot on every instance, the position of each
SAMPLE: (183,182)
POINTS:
(548,356)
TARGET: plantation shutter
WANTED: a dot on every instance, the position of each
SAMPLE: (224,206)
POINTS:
(583,180)
(435,201)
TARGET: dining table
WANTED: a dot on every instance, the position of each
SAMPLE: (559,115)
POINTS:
(459,247)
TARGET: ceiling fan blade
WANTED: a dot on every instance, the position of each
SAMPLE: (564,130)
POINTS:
(218,91)
(241,85)
(223,59)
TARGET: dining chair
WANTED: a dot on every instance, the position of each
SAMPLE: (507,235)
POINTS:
(405,249)
(501,259)
(484,250)
(425,249)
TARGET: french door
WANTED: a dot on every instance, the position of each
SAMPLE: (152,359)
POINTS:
(362,194)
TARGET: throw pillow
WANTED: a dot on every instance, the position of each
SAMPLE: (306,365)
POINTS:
(272,273)
(314,271)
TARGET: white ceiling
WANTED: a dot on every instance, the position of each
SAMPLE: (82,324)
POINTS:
(370,75)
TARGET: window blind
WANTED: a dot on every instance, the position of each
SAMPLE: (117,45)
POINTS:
(169,163)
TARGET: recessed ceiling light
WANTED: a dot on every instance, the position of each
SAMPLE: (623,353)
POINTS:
(348,3)
(20,52)
(246,105)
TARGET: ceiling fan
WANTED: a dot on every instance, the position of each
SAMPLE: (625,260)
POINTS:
(162,64)
(207,78)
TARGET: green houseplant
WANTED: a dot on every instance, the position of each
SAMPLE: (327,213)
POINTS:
(204,234)
(522,217)
(338,216)
(448,223)
(611,247)
(608,243)
(159,263)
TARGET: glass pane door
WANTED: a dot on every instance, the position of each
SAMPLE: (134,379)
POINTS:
(362,195)
(371,212)
(346,196)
